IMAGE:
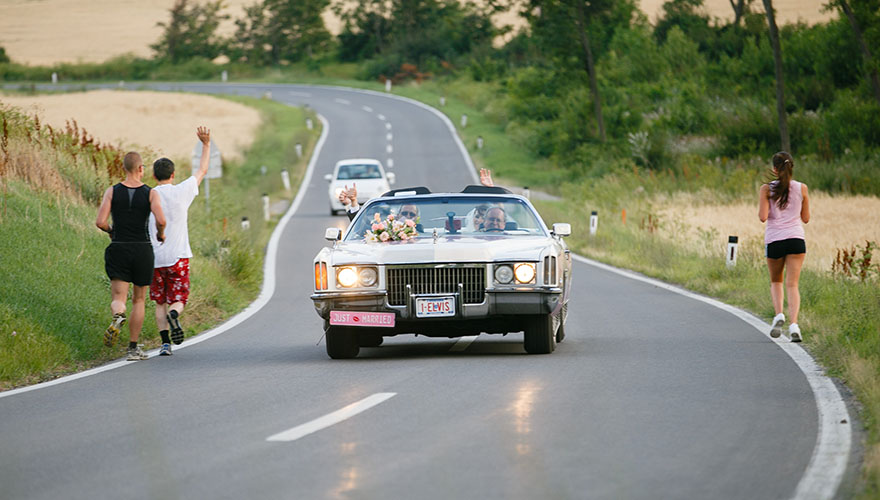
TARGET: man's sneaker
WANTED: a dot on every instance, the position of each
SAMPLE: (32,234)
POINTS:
(136,354)
(176,330)
(776,325)
(112,332)
(794,332)
(165,350)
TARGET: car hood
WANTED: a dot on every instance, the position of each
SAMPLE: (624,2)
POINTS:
(363,185)
(446,249)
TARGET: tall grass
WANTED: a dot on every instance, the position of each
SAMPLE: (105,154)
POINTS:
(54,296)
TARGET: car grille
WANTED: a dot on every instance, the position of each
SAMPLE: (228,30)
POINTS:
(426,280)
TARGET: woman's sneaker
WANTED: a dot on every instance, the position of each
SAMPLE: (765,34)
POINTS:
(176,330)
(113,330)
(776,325)
(794,332)
(165,350)
(136,354)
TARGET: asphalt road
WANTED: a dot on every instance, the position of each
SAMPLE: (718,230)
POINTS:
(652,394)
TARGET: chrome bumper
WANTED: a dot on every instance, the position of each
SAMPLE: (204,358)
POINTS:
(497,302)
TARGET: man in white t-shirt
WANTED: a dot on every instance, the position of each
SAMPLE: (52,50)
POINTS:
(170,286)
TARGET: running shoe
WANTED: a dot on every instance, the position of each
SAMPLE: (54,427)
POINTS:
(176,330)
(112,332)
(136,354)
(776,325)
(794,332)
(165,350)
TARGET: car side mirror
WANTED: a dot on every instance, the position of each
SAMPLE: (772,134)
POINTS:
(328,177)
(391,177)
(333,234)
(562,229)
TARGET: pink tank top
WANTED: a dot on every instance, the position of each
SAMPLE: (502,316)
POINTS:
(783,224)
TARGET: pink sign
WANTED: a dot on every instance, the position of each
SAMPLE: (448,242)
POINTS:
(359,318)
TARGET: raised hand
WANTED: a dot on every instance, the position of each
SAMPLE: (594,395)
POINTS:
(343,196)
(352,193)
(486,177)
(204,135)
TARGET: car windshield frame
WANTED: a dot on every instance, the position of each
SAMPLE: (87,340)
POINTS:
(434,214)
(351,173)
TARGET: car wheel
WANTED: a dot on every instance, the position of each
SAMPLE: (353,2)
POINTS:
(370,340)
(342,343)
(539,337)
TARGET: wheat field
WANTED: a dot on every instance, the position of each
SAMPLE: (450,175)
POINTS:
(44,32)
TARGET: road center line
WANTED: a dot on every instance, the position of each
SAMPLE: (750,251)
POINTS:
(463,343)
(331,418)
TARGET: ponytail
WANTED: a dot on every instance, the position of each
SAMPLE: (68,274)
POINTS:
(783,164)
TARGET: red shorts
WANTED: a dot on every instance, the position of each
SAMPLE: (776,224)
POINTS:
(171,284)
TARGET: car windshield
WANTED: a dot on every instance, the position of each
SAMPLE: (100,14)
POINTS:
(366,171)
(470,216)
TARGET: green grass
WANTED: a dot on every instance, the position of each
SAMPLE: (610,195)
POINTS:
(54,298)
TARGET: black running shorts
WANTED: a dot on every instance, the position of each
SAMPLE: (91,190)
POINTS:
(781,248)
(130,261)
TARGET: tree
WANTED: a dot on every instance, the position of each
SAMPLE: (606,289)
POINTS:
(780,81)
(281,31)
(366,28)
(191,32)
(870,66)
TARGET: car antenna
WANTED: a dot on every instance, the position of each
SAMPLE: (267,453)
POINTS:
(435,235)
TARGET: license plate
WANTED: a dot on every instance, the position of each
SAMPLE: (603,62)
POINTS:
(435,307)
(359,318)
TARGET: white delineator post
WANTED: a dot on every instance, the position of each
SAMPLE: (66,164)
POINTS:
(224,76)
(443,101)
(245,223)
(265,207)
(285,178)
(309,124)
(731,250)
(479,142)
(463,121)
(387,85)
(54,77)
(299,150)
(594,221)
(526,192)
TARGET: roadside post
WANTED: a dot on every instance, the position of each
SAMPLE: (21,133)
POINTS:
(526,192)
(215,168)
(443,100)
(731,251)
(285,178)
(266,207)
(309,124)
(54,77)
(245,223)
(387,85)
(299,150)
(224,76)
(623,216)
(463,121)
(594,222)
(479,142)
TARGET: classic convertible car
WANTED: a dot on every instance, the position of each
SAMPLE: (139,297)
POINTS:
(443,265)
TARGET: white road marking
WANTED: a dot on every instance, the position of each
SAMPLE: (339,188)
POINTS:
(381,117)
(367,109)
(294,93)
(342,101)
(831,453)
(388,126)
(463,343)
(390,162)
(389,149)
(331,418)
(389,136)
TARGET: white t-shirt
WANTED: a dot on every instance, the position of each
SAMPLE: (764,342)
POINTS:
(176,199)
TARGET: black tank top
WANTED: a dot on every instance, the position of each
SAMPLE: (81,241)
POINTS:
(130,209)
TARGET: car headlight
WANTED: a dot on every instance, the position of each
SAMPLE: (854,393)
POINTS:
(503,274)
(346,277)
(336,193)
(368,276)
(524,272)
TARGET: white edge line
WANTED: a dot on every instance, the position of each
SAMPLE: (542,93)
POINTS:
(827,465)
(331,418)
(265,294)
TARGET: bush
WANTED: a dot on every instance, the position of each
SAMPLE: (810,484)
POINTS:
(851,123)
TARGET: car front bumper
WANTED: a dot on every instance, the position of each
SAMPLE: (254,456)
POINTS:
(497,302)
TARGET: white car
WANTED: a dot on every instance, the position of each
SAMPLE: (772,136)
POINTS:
(367,174)
(453,264)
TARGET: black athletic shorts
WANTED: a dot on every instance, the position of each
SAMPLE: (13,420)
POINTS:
(781,248)
(130,261)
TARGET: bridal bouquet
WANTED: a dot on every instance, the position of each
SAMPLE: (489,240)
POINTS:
(390,229)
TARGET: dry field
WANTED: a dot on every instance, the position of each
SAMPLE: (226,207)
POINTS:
(44,32)
(836,222)
(159,122)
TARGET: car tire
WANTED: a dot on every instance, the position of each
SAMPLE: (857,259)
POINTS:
(560,332)
(370,340)
(342,343)
(539,336)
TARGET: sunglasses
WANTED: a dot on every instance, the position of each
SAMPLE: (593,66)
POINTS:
(408,214)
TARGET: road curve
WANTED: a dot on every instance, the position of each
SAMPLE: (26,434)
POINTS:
(652,395)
